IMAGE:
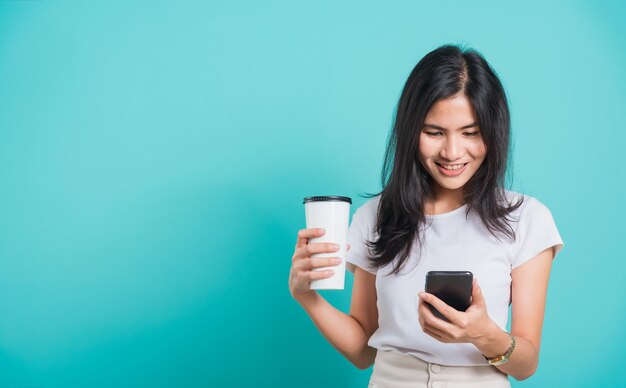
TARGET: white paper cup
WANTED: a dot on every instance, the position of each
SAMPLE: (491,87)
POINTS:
(331,213)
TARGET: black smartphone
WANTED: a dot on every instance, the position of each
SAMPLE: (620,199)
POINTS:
(452,287)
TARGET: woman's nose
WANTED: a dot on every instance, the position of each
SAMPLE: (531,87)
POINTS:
(451,149)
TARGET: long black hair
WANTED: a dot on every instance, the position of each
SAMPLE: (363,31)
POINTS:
(443,73)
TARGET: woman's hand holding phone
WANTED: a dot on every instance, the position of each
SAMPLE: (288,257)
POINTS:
(472,326)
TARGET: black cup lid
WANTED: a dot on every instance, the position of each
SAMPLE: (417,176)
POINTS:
(323,198)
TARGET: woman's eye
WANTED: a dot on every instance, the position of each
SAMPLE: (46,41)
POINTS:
(472,134)
(433,133)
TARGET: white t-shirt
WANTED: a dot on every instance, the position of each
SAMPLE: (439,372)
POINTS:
(451,242)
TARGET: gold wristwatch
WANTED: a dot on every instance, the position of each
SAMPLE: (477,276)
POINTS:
(499,360)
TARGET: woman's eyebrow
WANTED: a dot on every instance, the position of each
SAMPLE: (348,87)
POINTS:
(444,129)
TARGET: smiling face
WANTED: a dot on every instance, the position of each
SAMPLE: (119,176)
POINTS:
(451,147)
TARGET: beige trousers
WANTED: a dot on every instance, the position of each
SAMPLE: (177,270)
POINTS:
(396,370)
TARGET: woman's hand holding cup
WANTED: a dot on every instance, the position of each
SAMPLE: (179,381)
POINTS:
(302,265)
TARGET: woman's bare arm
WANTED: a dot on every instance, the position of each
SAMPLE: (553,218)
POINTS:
(528,300)
(348,333)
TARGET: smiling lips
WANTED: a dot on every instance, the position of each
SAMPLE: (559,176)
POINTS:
(451,169)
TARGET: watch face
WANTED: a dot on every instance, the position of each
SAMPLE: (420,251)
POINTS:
(498,360)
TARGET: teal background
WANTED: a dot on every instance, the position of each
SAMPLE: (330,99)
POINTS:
(154,156)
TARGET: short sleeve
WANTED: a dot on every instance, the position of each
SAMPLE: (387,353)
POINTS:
(358,233)
(536,232)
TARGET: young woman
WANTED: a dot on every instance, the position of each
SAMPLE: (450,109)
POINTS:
(442,207)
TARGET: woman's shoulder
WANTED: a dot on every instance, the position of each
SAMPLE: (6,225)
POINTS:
(527,204)
(371,205)
(368,211)
(535,229)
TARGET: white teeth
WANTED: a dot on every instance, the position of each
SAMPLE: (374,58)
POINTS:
(452,167)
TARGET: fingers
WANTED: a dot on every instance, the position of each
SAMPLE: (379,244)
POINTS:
(301,279)
(316,262)
(304,268)
(477,294)
(426,317)
(313,248)
(433,325)
(435,333)
(316,275)
(305,234)
(442,307)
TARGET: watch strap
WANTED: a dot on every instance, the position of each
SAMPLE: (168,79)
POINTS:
(499,360)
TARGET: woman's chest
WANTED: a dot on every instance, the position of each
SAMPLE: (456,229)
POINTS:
(487,258)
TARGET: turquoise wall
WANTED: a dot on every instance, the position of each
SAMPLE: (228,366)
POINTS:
(154,156)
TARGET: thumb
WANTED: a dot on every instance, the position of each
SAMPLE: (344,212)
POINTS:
(477,294)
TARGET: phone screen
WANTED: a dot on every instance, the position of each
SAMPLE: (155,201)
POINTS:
(452,287)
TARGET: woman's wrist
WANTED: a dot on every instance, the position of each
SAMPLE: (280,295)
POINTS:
(306,299)
(494,342)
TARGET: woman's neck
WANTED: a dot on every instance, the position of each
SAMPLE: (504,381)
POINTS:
(444,201)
